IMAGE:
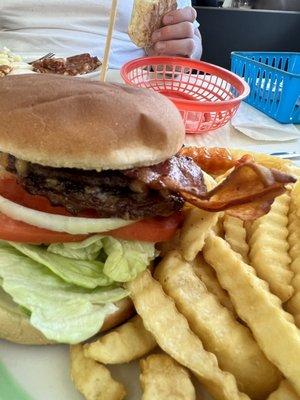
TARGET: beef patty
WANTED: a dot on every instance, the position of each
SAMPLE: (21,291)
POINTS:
(110,193)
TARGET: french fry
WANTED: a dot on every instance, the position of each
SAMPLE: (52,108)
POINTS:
(93,380)
(264,159)
(294,170)
(248,228)
(197,226)
(123,344)
(284,392)
(269,248)
(218,229)
(231,342)
(293,306)
(172,244)
(236,235)
(296,195)
(208,276)
(276,335)
(209,181)
(173,335)
(162,378)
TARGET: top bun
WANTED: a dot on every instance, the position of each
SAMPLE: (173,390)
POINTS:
(69,122)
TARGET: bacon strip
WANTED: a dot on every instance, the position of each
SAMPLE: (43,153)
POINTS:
(176,174)
(247,192)
(213,160)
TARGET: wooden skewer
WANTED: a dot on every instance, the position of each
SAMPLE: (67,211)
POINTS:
(112,19)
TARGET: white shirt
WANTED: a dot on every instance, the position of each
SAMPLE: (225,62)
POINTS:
(67,27)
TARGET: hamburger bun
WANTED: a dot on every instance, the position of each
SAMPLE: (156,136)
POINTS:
(60,121)
(15,325)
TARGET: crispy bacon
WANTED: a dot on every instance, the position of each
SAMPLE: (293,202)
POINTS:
(175,174)
(247,192)
(215,160)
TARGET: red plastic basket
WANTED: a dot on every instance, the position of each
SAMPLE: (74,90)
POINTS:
(206,95)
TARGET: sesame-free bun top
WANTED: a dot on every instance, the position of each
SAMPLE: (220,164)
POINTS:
(61,121)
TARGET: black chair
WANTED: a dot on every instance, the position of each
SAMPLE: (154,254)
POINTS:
(226,30)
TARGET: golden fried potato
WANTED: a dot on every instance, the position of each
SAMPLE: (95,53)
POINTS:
(293,306)
(162,378)
(197,226)
(172,244)
(276,335)
(294,170)
(207,275)
(264,159)
(173,335)
(269,248)
(284,392)
(248,228)
(123,344)
(296,195)
(236,235)
(231,342)
(218,229)
(209,181)
(93,380)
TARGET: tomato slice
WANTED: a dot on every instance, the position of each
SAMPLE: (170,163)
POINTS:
(157,229)
(17,231)
(150,230)
(12,190)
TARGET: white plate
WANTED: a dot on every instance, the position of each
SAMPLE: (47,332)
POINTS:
(28,57)
(44,372)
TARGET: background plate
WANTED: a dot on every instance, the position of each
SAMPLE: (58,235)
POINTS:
(28,57)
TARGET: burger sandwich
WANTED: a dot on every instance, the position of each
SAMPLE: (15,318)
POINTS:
(92,177)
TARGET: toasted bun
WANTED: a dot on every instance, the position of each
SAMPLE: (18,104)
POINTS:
(16,327)
(61,121)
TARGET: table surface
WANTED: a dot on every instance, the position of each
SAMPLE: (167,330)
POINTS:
(44,371)
(228,136)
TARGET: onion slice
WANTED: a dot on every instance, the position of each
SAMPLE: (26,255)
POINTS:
(60,223)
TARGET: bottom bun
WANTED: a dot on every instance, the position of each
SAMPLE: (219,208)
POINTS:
(15,326)
(125,311)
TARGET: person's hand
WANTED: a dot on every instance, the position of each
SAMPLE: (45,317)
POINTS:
(178,36)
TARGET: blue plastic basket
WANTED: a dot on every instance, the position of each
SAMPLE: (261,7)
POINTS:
(274,80)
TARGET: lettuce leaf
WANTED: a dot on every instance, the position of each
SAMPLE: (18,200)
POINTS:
(69,289)
(126,259)
(72,324)
(62,311)
(87,250)
(88,274)
(123,259)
